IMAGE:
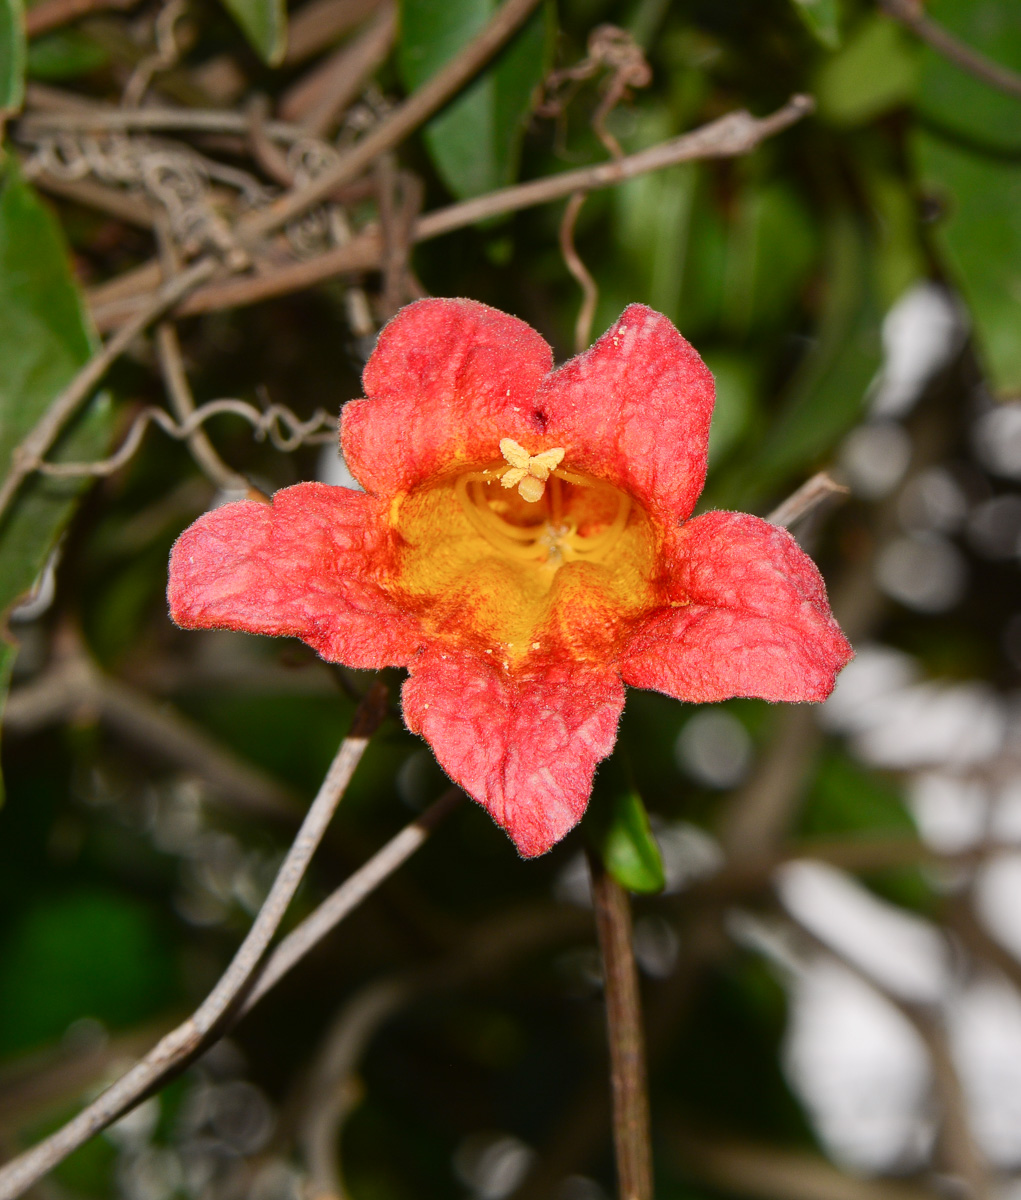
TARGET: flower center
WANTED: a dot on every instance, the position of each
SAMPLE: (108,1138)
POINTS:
(519,558)
(548,531)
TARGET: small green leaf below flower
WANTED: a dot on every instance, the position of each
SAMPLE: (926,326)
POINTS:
(629,850)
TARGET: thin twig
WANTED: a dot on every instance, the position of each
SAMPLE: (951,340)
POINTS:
(334,1085)
(737,133)
(319,23)
(48,428)
(175,380)
(175,383)
(52,14)
(404,119)
(124,206)
(318,98)
(178,1048)
(363,253)
(285,430)
(631,1134)
(911,14)
(347,897)
(97,118)
(813,492)
(589,290)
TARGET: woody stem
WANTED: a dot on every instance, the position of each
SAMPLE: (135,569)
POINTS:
(631,1134)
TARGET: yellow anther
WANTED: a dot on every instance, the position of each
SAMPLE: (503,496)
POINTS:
(528,472)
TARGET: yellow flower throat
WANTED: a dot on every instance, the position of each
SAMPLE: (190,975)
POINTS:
(518,555)
(553,539)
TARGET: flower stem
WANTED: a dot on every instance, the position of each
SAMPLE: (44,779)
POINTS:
(631,1136)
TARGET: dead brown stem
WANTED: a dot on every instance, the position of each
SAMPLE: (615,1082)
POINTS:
(318,23)
(52,14)
(736,133)
(589,290)
(347,897)
(319,97)
(180,1046)
(911,14)
(631,1135)
(125,206)
(812,493)
(404,119)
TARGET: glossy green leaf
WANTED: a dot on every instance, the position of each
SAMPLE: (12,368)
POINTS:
(44,340)
(875,71)
(12,56)
(822,19)
(475,141)
(628,848)
(264,24)
(968,153)
(829,391)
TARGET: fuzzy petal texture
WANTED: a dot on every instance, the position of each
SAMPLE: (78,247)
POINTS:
(448,379)
(303,566)
(525,749)
(635,409)
(751,619)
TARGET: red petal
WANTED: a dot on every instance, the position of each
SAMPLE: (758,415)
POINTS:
(756,621)
(303,566)
(447,380)
(635,409)
(525,749)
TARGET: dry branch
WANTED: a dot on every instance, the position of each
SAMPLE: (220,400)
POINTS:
(404,119)
(912,15)
(179,1047)
(52,14)
(631,1133)
(736,133)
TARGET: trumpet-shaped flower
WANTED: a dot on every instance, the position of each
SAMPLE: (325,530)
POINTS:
(524,547)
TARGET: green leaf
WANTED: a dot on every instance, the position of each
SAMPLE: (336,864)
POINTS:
(44,340)
(822,18)
(968,154)
(264,24)
(876,70)
(737,387)
(85,954)
(475,142)
(828,392)
(65,54)
(12,56)
(629,850)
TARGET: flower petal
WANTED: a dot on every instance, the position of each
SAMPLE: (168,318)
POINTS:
(635,409)
(751,619)
(524,748)
(304,566)
(447,381)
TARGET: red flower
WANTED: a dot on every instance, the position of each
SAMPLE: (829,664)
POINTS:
(523,547)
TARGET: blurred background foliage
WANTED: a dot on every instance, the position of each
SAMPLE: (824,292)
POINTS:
(842,886)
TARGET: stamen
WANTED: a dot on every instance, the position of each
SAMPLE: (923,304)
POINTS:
(554,539)
(528,472)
